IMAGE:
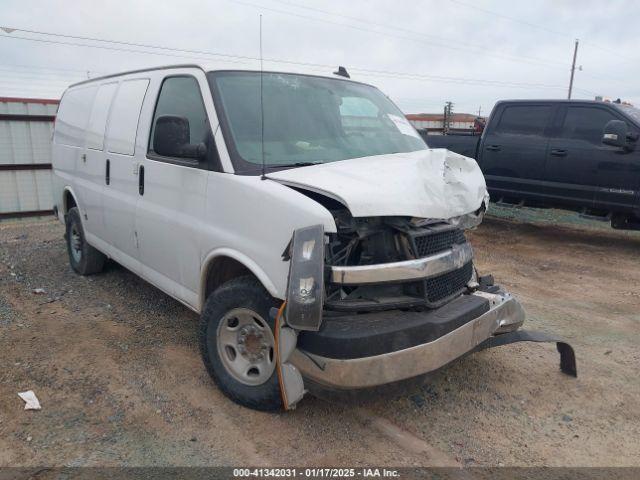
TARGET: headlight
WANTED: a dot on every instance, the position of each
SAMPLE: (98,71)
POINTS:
(470,220)
(306,279)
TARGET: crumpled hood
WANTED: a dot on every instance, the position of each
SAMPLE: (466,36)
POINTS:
(434,184)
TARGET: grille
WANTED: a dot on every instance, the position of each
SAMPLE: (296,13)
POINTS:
(441,288)
(432,243)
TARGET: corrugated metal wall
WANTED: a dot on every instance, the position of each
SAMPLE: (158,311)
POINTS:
(26,126)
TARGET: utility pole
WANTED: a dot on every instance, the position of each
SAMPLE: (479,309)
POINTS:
(448,110)
(480,111)
(573,68)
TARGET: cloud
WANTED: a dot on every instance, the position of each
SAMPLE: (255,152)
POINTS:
(421,53)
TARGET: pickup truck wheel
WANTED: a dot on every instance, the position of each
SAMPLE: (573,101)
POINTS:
(84,259)
(238,346)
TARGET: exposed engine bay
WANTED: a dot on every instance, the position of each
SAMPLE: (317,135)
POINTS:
(380,240)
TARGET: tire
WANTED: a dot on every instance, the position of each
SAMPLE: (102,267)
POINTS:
(237,304)
(84,259)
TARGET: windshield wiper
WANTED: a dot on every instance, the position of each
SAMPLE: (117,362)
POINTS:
(296,164)
(304,164)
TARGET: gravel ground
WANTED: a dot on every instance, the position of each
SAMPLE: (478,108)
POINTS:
(116,367)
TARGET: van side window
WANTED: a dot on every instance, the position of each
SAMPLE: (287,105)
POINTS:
(72,118)
(125,113)
(586,123)
(524,120)
(180,96)
(99,114)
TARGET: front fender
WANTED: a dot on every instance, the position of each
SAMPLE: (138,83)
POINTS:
(242,258)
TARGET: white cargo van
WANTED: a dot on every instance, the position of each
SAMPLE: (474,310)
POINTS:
(303,218)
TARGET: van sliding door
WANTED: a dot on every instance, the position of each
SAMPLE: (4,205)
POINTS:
(121,192)
(91,168)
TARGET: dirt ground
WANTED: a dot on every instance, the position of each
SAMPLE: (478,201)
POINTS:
(116,367)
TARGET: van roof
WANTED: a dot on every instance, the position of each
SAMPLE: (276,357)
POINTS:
(209,68)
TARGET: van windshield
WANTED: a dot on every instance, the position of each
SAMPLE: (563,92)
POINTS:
(307,120)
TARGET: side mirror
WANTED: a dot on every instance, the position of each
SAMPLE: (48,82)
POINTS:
(615,133)
(171,138)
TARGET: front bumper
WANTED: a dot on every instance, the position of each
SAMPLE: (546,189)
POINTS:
(504,315)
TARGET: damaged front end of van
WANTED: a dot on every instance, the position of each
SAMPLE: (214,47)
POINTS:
(387,298)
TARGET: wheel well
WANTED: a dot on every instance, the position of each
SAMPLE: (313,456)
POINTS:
(69,201)
(221,270)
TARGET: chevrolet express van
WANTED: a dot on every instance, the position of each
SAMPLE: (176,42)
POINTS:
(306,221)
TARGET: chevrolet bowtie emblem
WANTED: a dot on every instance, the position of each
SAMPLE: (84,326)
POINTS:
(457,255)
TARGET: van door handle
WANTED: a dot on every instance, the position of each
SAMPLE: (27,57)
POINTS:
(559,152)
(107,172)
(494,148)
(141,180)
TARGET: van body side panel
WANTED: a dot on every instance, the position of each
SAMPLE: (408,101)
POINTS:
(170,223)
(69,140)
(121,194)
(256,218)
(90,175)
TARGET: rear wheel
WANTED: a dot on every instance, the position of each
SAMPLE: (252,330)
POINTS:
(238,345)
(84,259)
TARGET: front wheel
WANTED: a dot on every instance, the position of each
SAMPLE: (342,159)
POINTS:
(238,346)
(84,259)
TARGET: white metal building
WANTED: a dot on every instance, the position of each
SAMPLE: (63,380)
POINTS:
(433,122)
(26,127)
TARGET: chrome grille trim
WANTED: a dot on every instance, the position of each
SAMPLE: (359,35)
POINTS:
(419,269)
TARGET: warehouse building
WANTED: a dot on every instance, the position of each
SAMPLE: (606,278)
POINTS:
(26,127)
(434,123)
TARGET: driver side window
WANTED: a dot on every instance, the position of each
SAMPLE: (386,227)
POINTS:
(180,96)
(586,124)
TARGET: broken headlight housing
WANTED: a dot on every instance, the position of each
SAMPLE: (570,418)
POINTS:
(306,279)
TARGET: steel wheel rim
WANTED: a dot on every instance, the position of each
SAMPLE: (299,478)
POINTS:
(75,242)
(246,346)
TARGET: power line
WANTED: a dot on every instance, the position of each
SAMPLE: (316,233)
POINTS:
(105,47)
(539,27)
(507,17)
(466,50)
(482,51)
(119,42)
(230,57)
(439,39)
(31,67)
(49,76)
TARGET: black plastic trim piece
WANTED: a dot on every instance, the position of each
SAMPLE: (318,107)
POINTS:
(567,355)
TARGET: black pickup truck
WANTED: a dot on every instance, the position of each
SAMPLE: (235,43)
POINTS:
(570,154)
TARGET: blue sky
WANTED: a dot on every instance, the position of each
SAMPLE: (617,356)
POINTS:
(421,52)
